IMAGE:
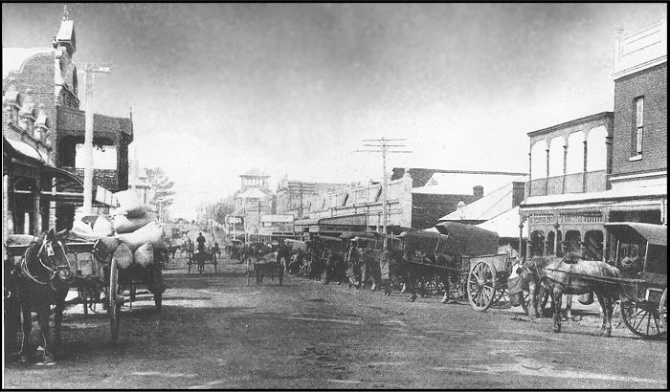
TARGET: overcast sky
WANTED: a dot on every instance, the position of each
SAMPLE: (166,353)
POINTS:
(292,89)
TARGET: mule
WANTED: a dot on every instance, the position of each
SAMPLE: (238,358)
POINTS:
(172,250)
(582,277)
(45,276)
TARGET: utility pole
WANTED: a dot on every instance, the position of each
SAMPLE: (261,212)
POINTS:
(382,145)
(89,70)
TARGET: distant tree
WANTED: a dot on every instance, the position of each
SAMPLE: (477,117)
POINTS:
(161,186)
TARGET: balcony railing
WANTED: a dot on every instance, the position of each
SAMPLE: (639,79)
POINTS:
(595,181)
(106,178)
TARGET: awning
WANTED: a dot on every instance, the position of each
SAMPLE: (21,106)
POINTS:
(350,220)
(654,234)
(65,181)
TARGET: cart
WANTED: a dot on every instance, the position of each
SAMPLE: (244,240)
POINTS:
(643,298)
(97,272)
(459,262)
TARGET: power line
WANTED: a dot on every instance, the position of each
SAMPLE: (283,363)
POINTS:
(384,147)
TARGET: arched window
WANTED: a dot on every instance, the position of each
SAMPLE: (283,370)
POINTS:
(596,158)
(575,160)
(538,160)
(556,153)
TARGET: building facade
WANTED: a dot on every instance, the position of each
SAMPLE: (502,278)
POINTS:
(608,167)
(411,203)
(252,202)
(42,121)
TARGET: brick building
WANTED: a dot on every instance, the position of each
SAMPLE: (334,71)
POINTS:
(42,123)
(608,167)
(415,203)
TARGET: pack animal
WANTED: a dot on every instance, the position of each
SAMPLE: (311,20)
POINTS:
(45,276)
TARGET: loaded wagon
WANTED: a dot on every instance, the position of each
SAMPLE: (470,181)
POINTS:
(459,261)
(97,273)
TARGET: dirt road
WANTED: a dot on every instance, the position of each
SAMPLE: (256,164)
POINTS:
(216,333)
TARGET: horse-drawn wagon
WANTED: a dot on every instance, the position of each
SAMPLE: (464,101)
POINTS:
(458,261)
(91,267)
(260,260)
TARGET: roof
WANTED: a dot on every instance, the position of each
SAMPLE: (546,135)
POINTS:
(252,193)
(488,207)
(25,149)
(463,183)
(14,58)
(506,224)
(654,234)
(74,120)
(254,173)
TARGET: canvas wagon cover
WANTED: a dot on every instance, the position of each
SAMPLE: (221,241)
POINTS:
(654,234)
(468,240)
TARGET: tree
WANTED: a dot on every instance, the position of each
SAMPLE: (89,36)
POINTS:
(161,187)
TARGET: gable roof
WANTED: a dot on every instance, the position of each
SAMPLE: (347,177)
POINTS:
(462,183)
(506,224)
(489,206)
(254,173)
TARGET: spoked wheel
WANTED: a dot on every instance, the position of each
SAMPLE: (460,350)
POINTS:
(158,289)
(115,301)
(482,285)
(248,274)
(663,311)
(641,317)
(525,300)
(502,299)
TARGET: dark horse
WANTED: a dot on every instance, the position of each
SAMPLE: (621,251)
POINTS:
(44,280)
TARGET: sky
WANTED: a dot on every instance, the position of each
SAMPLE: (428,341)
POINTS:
(295,89)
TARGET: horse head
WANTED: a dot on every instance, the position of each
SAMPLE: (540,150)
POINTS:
(50,255)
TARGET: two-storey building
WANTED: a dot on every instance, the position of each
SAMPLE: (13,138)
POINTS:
(43,125)
(608,167)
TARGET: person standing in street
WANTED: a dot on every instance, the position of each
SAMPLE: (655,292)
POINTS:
(201,243)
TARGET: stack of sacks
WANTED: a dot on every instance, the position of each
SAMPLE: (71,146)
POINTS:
(130,237)
(93,227)
(137,231)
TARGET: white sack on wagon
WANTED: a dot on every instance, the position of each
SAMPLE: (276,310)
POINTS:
(123,255)
(144,255)
(152,233)
(103,226)
(131,205)
(124,224)
(83,229)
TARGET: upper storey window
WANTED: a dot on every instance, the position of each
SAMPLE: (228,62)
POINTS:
(638,126)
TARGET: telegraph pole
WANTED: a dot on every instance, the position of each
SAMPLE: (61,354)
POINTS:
(90,69)
(382,145)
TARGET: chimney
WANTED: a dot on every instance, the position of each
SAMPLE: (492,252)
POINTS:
(518,193)
(478,192)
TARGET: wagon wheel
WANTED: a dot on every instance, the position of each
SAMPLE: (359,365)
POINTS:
(248,273)
(482,285)
(525,299)
(158,289)
(641,317)
(115,301)
(663,311)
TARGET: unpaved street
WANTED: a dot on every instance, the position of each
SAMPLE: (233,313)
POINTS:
(215,332)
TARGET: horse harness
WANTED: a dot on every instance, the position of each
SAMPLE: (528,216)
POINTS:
(50,254)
